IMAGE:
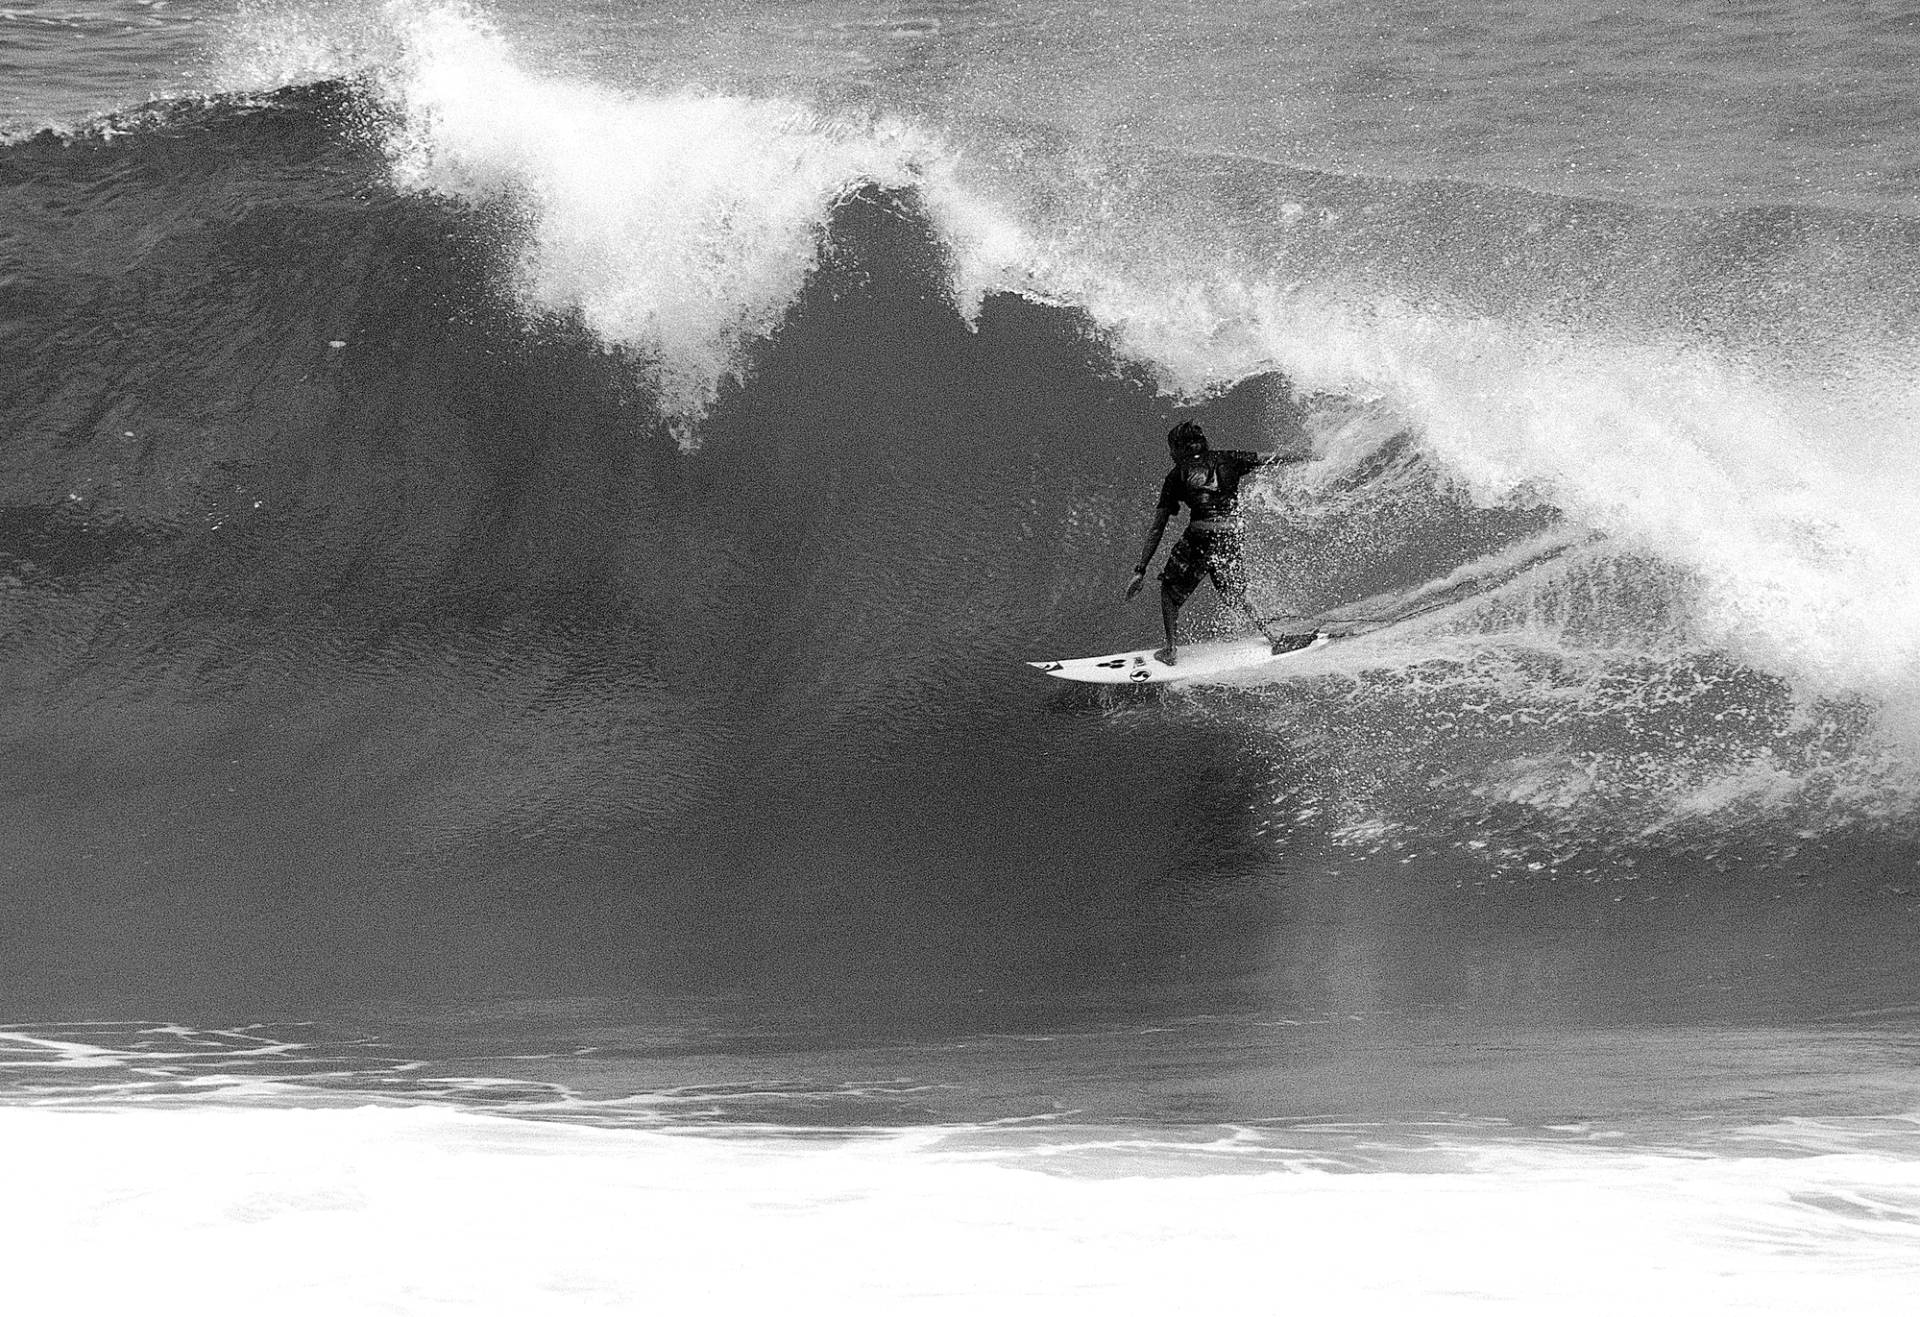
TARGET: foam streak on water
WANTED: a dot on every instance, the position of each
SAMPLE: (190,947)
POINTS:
(329,1174)
(415,1211)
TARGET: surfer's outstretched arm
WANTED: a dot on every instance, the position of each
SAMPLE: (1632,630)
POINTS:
(1281,459)
(1154,533)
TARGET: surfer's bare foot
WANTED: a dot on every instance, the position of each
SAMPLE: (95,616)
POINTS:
(1166,656)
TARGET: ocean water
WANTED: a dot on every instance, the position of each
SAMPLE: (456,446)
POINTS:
(521,526)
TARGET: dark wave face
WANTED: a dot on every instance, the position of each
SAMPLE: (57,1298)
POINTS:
(377,623)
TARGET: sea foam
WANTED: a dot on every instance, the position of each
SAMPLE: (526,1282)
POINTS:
(676,227)
(412,1210)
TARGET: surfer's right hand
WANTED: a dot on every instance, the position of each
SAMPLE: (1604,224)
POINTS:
(1139,579)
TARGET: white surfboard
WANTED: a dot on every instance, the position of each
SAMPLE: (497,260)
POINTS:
(1138,667)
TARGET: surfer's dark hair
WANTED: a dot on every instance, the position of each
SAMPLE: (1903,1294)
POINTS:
(1187,434)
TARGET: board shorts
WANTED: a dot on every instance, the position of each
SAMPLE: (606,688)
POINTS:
(1214,554)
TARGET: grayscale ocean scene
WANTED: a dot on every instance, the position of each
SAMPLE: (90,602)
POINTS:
(523,529)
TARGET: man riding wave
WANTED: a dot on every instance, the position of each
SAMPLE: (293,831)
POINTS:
(1207,483)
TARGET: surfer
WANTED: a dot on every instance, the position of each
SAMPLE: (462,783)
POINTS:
(1208,483)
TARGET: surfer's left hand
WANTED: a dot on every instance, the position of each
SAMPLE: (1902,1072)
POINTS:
(1139,579)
